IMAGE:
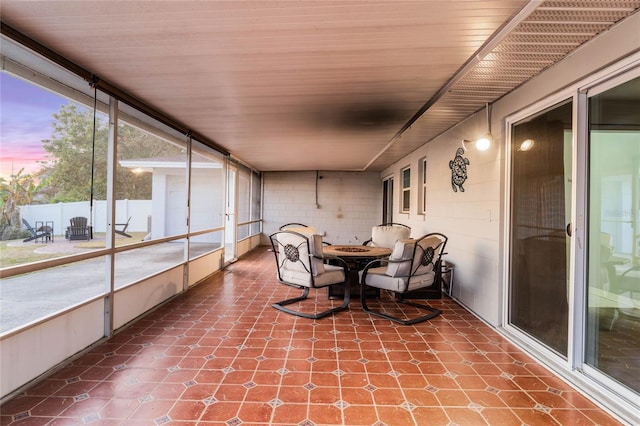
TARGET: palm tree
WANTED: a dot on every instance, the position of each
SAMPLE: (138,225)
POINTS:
(20,190)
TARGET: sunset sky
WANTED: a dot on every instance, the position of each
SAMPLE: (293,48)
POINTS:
(26,117)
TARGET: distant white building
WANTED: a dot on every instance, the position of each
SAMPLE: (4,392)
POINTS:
(169,193)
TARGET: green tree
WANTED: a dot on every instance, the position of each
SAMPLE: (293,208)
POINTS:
(73,152)
(72,156)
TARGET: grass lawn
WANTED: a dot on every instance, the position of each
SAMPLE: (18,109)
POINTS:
(99,242)
(19,254)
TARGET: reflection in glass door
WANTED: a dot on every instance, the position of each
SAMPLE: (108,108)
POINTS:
(613,299)
(230,215)
(540,224)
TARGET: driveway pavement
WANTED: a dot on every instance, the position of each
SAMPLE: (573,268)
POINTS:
(30,297)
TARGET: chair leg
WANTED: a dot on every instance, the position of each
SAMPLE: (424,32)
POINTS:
(433,312)
(281,305)
(122,232)
(31,238)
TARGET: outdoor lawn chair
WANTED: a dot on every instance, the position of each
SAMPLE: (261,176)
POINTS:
(124,226)
(386,235)
(413,265)
(301,264)
(42,232)
(78,229)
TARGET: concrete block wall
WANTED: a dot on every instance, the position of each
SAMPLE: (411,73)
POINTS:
(344,207)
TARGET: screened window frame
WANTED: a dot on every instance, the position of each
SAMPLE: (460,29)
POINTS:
(70,85)
(405,193)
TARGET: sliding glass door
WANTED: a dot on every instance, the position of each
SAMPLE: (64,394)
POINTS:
(573,292)
(612,344)
(540,225)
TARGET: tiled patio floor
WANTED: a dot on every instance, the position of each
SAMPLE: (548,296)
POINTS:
(222,355)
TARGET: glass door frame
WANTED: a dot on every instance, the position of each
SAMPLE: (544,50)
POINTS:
(576,249)
(230,213)
(595,87)
(574,368)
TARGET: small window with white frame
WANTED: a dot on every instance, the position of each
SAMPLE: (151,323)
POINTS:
(422,194)
(406,190)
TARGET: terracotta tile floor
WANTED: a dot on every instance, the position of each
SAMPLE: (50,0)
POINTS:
(222,355)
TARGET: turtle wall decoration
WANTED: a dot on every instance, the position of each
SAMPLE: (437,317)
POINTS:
(458,168)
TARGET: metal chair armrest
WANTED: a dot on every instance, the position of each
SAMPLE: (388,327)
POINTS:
(374,263)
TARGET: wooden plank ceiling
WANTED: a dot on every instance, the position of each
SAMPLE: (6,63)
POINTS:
(315,84)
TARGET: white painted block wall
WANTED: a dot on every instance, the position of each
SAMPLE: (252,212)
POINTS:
(470,219)
(348,204)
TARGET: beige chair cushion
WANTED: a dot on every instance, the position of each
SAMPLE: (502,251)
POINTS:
(299,272)
(332,275)
(431,250)
(377,277)
(317,262)
(387,235)
(395,276)
(293,276)
(306,230)
(294,248)
(402,249)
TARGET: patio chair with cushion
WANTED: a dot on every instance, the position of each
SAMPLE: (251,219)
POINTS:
(387,234)
(78,230)
(413,265)
(301,264)
(303,229)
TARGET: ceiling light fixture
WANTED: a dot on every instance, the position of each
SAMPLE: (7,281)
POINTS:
(483,143)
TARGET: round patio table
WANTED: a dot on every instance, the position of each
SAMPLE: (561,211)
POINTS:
(356,257)
(353,252)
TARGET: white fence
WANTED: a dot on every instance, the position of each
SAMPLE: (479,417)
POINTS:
(61,213)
